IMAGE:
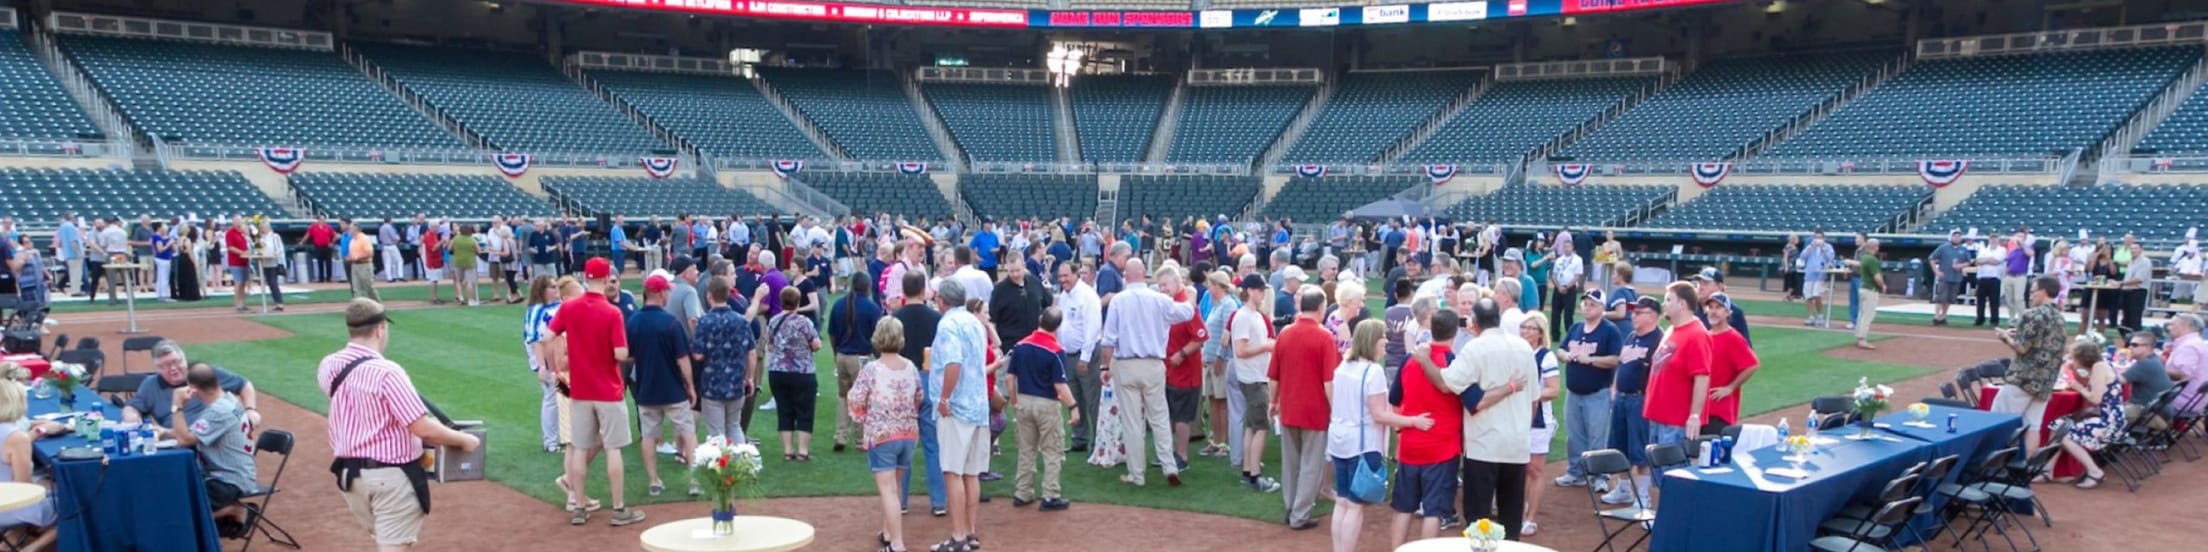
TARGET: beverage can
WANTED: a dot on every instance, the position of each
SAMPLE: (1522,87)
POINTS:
(1951,422)
(107,442)
(146,440)
(123,445)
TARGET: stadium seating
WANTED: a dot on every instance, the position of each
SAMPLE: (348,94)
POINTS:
(1372,111)
(2156,212)
(1233,124)
(1550,205)
(1726,104)
(1837,209)
(517,101)
(32,104)
(1173,197)
(997,122)
(645,197)
(46,194)
(238,95)
(1115,116)
(1512,118)
(865,112)
(1322,199)
(2029,105)
(725,116)
(2185,132)
(375,195)
(1045,196)
(870,192)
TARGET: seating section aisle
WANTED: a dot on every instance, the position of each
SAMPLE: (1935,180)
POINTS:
(1372,111)
(1550,205)
(2185,132)
(211,94)
(645,197)
(2153,212)
(1309,200)
(32,103)
(997,122)
(2027,105)
(375,196)
(517,101)
(1115,116)
(725,116)
(865,112)
(1835,208)
(1512,118)
(1233,124)
(1174,197)
(1047,196)
(872,192)
(1719,108)
(43,195)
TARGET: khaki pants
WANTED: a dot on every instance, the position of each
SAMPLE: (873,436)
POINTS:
(2012,293)
(847,371)
(1866,312)
(1139,386)
(1041,427)
(2133,411)
(362,276)
(1302,463)
(383,501)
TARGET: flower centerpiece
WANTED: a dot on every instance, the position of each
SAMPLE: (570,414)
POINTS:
(65,379)
(1800,446)
(724,471)
(1486,535)
(1918,412)
(1870,400)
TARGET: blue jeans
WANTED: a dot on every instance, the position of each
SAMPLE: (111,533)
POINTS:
(934,463)
(1855,297)
(1660,434)
(1586,427)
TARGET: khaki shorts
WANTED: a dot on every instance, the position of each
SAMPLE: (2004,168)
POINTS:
(599,424)
(685,420)
(1215,383)
(383,501)
(965,447)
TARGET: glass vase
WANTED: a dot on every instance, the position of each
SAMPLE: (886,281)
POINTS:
(724,519)
(68,400)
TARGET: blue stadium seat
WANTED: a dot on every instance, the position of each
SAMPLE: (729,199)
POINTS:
(1726,104)
(32,104)
(1046,196)
(1174,197)
(879,192)
(212,94)
(46,194)
(997,122)
(1834,208)
(1550,205)
(865,112)
(517,101)
(597,195)
(1233,124)
(1308,200)
(379,195)
(2022,105)
(1371,111)
(725,116)
(2153,212)
(1512,118)
(2185,132)
(1115,115)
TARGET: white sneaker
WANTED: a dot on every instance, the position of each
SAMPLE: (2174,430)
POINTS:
(666,449)
(1617,495)
(769,405)
(1567,480)
(1529,528)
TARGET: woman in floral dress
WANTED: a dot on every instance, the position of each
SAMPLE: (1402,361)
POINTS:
(2098,383)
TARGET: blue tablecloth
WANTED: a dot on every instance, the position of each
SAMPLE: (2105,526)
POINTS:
(1748,509)
(151,502)
(1977,434)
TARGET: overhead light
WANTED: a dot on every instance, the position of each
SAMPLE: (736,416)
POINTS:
(1570,21)
(1775,6)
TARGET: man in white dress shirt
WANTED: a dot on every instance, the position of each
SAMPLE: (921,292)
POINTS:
(1084,317)
(1134,337)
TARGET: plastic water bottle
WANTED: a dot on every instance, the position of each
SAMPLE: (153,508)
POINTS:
(1784,430)
(1809,426)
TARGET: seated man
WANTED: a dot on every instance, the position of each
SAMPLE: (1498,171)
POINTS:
(154,397)
(218,435)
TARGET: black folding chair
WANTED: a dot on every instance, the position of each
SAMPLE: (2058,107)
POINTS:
(1973,495)
(2021,472)
(92,359)
(1934,476)
(138,344)
(2123,455)
(2183,418)
(1831,405)
(60,342)
(1666,456)
(1882,525)
(1899,488)
(278,442)
(1610,462)
(1947,391)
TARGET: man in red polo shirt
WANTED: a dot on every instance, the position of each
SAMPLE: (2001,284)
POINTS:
(321,236)
(1732,362)
(1184,371)
(236,247)
(597,342)
(1303,361)
(1426,472)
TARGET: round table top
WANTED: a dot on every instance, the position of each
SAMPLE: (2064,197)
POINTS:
(123,266)
(16,495)
(1461,544)
(753,534)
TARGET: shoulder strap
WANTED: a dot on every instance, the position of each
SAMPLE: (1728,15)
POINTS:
(339,381)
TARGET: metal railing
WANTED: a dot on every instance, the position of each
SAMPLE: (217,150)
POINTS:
(138,27)
(1394,169)
(1667,76)
(575,74)
(49,147)
(1255,76)
(2136,36)
(1003,167)
(1169,122)
(85,92)
(1287,138)
(1824,108)
(797,119)
(2165,104)
(1830,166)
(2117,167)
(983,75)
(395,156)
(414,100)
(1433,124)
(617,61)
(945,144)
(1582,69)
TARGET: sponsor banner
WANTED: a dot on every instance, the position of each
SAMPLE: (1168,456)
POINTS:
(1265,18)
(1385,14)
(831,11)
(1215,19)
(1144,19)
(1319,17)
(1578,7)
(1456,11)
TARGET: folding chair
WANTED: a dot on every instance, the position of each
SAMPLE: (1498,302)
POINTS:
(1933,477)
(1666,456)
(1956,403)
(1947,391)
(1899,488)
(60,342)
(1831,404)
(92,359)
(278,442)
(1874,534)
(1608,462)
(2020,472)
(2184,420)
(1992,509)
(2123,453)
(136,344)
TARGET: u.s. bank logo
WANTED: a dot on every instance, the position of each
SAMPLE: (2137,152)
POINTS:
(1266,17)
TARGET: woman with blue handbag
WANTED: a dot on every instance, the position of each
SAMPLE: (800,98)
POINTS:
(1358,399)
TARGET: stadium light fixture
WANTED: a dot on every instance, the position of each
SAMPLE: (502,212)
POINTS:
(1063,63)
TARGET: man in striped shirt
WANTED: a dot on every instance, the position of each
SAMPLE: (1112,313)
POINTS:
(378,425)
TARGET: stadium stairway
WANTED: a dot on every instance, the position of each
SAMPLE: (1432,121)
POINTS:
(575,73)
(1826,108)
(1290,136)
(1426,128)
(42,106)
(938,133)
(790,112)
(1169,123)
(389,82)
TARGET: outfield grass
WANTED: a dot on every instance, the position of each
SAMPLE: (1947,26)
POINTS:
(470,361)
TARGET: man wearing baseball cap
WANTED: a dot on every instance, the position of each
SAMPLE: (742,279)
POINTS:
(1732,362)
(665,388)
(1590,356)
(1711,282)
(597,342)
(1529,290)
(1947,263)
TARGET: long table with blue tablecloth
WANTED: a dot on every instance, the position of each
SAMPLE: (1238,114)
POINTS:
(142,502)
(1745,507)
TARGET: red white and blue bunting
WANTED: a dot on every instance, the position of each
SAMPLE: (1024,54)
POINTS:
(1709,174)
(1572,174)
(1311,171)
(1942,172)
(660,167)
(1440,174)
(912,168)
(513,165)
(2163,163)
(786,167)
(282,160)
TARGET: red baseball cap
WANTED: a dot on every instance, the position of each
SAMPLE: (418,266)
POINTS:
(597,268)
(657,284)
